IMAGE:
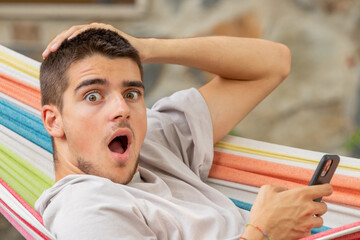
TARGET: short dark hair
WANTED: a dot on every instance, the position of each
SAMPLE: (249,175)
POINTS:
(53,71)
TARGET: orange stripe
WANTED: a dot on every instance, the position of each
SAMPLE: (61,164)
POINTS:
(23,92)
(255,172)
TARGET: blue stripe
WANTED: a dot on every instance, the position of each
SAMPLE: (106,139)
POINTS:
(25,124)
(247,207)
(242,205)
(318,230)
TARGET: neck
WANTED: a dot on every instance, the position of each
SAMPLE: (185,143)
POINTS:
(64,166)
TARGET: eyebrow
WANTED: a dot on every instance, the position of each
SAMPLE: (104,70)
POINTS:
(138,84)
(104,82)
(97,81)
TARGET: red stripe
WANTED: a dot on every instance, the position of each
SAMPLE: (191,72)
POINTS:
(37,231)
(18,227)
(22,201)
(350,236)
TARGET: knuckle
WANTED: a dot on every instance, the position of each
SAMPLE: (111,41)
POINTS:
(325,207)
(321,221)
(267,187)
(96,24)
(310,210)
(318,222)
(331,189)
(75,27)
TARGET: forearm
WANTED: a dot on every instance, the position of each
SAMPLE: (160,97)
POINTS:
(227,57)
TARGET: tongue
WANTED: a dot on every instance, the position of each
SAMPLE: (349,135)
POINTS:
(115,146)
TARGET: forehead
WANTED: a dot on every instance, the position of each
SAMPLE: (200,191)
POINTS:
(114,70)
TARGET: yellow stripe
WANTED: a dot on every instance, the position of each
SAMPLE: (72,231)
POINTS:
(237,148)
(19,65)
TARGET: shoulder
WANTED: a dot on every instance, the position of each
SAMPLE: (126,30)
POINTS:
(180,130)
(184,99)
(178,113)
(80,190)
(82,206)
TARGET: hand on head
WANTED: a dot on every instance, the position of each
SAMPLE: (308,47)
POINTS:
(77,29)
(289,214)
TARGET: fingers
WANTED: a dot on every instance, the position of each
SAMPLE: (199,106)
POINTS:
(56,42)
(317,222)
(320,208)
(317,191)
(71,33)
(293,209)
(273,188)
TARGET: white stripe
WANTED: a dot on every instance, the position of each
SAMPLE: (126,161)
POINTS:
(20,105)
(21,76)
(11,201)
(291,151)
(341,233)
(21,57)
(32,153)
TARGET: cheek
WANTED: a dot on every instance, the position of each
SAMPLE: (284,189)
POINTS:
(139,123)
(81,131)
(142,125)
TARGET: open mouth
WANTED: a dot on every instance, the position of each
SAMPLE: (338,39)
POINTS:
(119,144)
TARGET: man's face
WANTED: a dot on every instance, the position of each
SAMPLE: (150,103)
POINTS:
(104,117)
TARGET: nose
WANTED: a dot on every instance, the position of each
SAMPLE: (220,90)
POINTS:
(119,109)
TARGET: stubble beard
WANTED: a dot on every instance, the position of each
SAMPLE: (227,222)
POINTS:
(89,169)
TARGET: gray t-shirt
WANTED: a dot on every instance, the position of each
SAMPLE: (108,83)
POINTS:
(166,199)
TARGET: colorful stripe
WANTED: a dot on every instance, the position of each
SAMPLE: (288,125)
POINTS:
(17,225)
(19,65)
(24,124)
(21,91)
(255,172)
(287,157)
(24,178)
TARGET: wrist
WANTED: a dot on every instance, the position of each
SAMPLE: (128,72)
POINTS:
(253,234)
(148,49)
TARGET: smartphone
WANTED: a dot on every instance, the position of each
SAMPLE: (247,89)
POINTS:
(324,171)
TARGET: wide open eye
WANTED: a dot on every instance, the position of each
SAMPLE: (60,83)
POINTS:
(93,97)
(133,95)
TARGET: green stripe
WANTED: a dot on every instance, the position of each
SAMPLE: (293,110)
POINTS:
(28,181)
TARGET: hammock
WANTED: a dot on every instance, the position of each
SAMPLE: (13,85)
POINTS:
(240,165)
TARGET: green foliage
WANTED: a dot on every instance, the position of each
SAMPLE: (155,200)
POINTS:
(234,133)
(354,141)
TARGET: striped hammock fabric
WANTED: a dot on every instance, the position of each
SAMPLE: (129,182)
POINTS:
(240,165)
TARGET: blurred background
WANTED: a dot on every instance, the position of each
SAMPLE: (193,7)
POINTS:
(316,108)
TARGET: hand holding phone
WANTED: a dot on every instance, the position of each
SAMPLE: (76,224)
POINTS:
(324,171)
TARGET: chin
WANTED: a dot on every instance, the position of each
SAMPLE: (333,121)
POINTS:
(121,180)
(125,176)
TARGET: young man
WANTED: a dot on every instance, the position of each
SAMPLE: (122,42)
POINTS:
(125,172)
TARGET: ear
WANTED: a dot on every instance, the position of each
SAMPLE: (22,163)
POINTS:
(52,120)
